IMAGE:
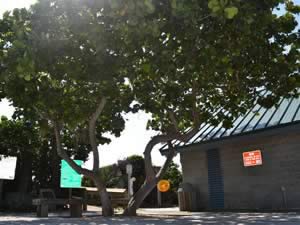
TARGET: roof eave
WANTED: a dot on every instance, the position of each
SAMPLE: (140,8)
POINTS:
(181,148)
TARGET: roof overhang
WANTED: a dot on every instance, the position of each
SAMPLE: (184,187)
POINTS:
(247,137)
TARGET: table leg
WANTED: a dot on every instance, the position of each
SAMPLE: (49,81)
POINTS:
(76,210)
(42,210)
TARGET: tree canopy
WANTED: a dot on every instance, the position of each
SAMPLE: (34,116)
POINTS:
(17,137)
(197,61)
(59,68)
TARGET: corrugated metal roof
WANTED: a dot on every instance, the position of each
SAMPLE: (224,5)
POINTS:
(257,118)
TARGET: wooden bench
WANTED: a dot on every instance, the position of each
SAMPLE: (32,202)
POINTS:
(48,198)
(118,196)
(119,202)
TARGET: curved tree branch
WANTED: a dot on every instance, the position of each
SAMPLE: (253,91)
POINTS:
(62,153)
(173,120)
(150,173)
(195,114)
(169,159)
(92,132)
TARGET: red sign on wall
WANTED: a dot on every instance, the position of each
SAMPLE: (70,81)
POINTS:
(252,158)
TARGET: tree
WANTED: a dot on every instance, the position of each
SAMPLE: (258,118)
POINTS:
(62,61)
(20,139)
(208,62)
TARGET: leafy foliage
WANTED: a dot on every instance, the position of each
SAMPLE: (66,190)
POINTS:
(59,68)
(195,62)
(174,175)
(17,137)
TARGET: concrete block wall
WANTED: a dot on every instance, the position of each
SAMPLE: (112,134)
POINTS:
(251,188)
(194,167)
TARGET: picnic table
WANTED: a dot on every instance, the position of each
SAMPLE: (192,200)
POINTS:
(48,198)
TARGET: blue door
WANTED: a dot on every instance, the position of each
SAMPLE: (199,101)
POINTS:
(215,180)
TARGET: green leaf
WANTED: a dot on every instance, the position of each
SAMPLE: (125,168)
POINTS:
(213,3)
(19,68)
(231,12)
(216,9)
(174,4)
(150,6)
(114,4)
(223,3)
(250,20)
(230,71)
(225,59)
(146,68)
(27,77)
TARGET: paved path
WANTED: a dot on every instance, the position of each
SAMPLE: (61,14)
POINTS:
(156,217)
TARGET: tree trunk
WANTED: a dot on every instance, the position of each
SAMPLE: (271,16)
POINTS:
(152,178)
(25,179)
(107,209)
(55,169)
(136,201)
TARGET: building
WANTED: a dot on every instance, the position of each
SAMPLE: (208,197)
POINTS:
(212,161)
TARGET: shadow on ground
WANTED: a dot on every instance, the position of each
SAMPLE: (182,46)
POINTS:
(195,219)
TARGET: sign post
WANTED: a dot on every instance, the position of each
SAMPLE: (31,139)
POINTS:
(129,180)
(1,188)
(162,186)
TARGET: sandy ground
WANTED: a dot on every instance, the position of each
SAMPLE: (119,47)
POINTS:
(169,216)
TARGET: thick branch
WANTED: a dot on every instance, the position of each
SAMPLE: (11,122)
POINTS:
(173,120)
(76,142)
(62,153)
(194,109)
(92,132)
(150,173)
(165,166)
(186,136)
(41,114)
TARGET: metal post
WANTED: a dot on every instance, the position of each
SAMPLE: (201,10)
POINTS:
(1,189)
(129,173)
(283,190)
(70,193)
(159,202)
(128,185)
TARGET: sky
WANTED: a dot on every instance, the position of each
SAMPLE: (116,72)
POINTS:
(11,4)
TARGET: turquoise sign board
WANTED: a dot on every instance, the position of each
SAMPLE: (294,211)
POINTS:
(69,178)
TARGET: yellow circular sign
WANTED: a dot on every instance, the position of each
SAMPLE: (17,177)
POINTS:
(163,185)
